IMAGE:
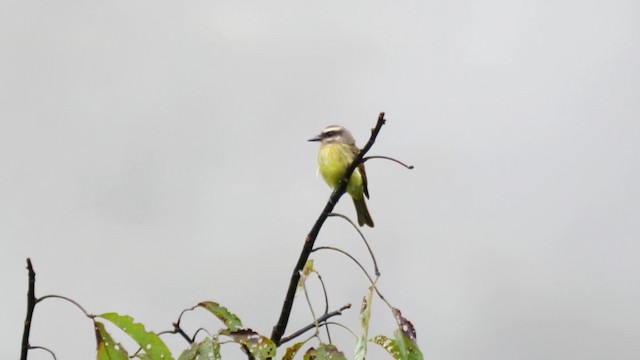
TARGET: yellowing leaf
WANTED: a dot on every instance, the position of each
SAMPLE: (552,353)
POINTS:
(306,271)
(260,346)
(310,354)
(292,351)
(388,344)
(360,352)
(231,321)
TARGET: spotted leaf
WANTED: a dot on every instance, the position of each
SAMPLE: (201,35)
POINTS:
(150,343)
(108,349)
(260,346)
(230,320)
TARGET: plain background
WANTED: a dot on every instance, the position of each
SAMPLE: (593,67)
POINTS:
(153,155)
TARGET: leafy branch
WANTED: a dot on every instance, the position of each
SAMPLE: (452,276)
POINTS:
(402,346)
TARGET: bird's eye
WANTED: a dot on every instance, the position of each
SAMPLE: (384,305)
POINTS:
(329,133)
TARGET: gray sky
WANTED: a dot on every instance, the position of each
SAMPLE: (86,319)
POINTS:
(154,155)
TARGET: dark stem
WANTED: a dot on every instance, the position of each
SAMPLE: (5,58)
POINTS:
(31,305)
(178,330)
(319,321)
(280,327)
(195,334)
(247,352)
(45,349)
(388,158)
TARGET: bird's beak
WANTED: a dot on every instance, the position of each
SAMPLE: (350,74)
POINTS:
(317,138)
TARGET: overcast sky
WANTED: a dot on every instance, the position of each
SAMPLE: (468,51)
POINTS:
(153,155)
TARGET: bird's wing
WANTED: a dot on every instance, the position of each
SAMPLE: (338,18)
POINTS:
(356,151)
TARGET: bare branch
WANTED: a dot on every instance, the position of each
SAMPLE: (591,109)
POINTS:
(31,305)
(319,321)
(280,327)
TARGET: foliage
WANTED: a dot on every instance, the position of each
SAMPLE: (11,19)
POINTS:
(402,346)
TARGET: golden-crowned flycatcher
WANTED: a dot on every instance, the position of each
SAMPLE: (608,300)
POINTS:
(337,151)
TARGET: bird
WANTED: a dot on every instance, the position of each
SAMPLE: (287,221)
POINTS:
(337,151)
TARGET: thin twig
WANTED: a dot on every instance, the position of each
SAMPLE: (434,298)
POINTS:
(373,283)
(324,291)
(197,331)
(319,321)
(388,158)
(349,255)
(178,330)
(326,302)
(45,349)
(281,325)
(69,300)
(183,312)
(31,305)
(306,295)
(366,243)
(342,326)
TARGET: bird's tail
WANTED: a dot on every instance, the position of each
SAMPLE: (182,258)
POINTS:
(364,218)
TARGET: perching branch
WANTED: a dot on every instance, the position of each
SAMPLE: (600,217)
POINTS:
(31,305)
(280,327)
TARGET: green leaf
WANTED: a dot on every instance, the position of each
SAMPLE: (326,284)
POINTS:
(328,351)
(208,349)
(231,321)
(191,353)
(108,349)
(408,348)
(292,351)
(260,346)
(388,344)
(150,343)
(360,352)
